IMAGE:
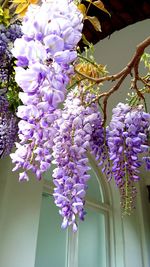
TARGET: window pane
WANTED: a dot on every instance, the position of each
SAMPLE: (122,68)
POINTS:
(92,247)
(94,191)
(51,243)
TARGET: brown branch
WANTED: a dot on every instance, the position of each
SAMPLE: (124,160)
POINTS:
(133,63)
(109,93)
(120,76)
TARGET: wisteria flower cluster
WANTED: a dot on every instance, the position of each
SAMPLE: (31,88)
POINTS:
(99,146)
(7,38)
(73,139)
(8,128)
(44,56)
(127,140)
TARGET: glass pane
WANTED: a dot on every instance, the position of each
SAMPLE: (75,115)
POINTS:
(72,248)
(51,243)
(94,191)
(92,246)
(48,175)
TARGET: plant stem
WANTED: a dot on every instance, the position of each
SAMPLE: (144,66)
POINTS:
(88,7)
(4,5)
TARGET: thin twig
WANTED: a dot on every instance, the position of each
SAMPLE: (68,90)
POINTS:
(133,64)
(88,60)
(5,3)
(75,83)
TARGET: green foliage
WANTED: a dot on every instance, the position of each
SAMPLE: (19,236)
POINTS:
(85,41)
(11,89)
(87,70)
(146,59)
(77,2)
(4,16)
(146,79)
(13,94)
(133,99)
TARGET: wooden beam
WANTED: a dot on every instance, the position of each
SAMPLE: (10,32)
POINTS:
(123,13)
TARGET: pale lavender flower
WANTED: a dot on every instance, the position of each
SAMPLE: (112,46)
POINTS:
(44,55)
(73,138)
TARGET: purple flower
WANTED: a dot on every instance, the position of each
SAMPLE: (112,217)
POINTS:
(8,128)
(127,138)
(147,161)
(44,56)
(7,37)
(73,138)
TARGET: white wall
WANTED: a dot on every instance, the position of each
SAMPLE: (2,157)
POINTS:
(116,52)
(19,218)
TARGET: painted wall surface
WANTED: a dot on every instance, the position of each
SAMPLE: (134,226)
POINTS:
(116,52)
(20,203)
(19,218)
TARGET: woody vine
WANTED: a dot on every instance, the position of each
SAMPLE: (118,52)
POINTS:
(53,107)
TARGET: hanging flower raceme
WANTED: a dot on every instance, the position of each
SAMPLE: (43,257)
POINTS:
(75,128)
(8,128)
(99,147)
(7,37)
(128,133)
(44,64)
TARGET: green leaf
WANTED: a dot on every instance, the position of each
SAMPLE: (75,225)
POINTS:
(85,41)
(146,59)
(95,22)
(1,11)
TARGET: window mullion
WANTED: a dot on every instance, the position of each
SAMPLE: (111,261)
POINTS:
(72,248)
(99,206)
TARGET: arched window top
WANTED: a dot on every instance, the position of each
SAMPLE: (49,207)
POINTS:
(98,186)
(94,191)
